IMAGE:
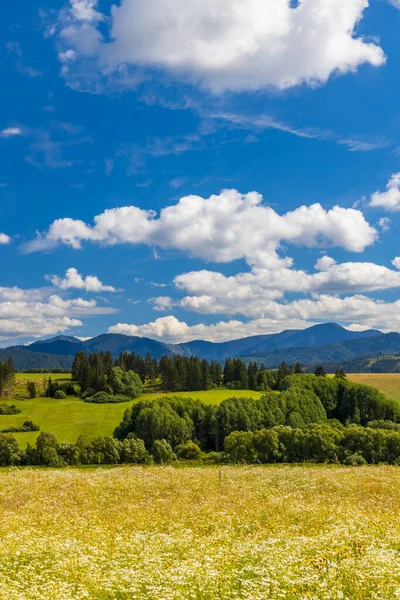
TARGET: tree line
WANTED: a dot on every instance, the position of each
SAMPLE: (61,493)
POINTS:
(310,418)
(179,373)
(301,401)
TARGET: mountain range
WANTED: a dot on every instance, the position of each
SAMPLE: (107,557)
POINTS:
(327,343)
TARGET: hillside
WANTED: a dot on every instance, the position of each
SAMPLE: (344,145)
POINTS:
(329,344)
(340,353)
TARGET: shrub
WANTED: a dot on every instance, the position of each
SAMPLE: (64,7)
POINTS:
(9,409)
(239,447)
(162,452)
(355,460)
(27,426)
(104,398)
(133,451)
(126,383)
(31,389)
(60,395)
(9,451)
(188,451)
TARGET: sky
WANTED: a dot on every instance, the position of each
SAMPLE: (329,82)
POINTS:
(188,170)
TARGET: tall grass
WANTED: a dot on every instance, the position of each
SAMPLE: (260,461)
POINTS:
(213,533)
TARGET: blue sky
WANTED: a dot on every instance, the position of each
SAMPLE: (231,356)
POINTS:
(187,170)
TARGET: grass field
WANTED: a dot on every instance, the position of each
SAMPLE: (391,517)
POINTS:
(388,383)
(68,418)
(230,533)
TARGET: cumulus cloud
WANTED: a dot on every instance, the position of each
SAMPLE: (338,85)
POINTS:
(357,312)
(222,228)
(251,294)
(389,200)
(396,262)
(162,303)
(220,44)
(74,280)
(4,239)
(325,263)
(32,313)
(170,329)
(11,132)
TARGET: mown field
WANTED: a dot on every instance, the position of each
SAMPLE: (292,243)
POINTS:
(164,533)
(69,418)
(388,383)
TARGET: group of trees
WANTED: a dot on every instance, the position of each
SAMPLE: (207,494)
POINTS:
(182,374)
(53,389)
(99,378)
(352,445)
(302,401)
(97,451)
(321,443)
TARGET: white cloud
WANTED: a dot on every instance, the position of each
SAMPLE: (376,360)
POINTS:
(324,263)
(396,262)
(67,56)
(32,313)
(384,224)
(4,239)
(162,303)
(252,293)
(225,45)
(74,280)
(85,10)
(357,312)
(222,228)
(170,329)
(389,200)
(11,132)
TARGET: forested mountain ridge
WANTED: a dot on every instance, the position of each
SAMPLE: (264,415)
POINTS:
(326,343)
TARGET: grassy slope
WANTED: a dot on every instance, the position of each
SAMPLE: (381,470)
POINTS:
(388,383)
(68,418)
(207,533)
(71,417)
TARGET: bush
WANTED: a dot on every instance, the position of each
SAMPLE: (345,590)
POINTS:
(133,451)
(10,453)
(27,426)
(126,383)
(239,447)
(188,451)
(9,409)
(104,398)
(31,389)
(60,395)
(355,460)
(162,452)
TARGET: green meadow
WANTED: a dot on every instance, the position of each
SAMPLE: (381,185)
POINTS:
(71,417)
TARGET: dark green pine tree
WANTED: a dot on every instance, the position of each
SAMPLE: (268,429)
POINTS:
(320,371)
(216,372)
(252,373)
(283,372)
(298,370)
(241,374)
(108,364)
(229,371)
(207,380)
(149,367)
(195,376)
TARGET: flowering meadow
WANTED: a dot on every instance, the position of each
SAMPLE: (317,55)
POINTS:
(168,533)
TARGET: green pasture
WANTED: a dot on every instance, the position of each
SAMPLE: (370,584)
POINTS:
(71,417)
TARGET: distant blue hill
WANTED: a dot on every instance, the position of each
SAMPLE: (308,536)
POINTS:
(320,343)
